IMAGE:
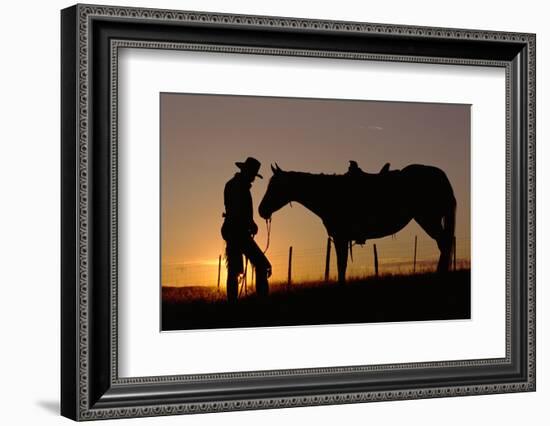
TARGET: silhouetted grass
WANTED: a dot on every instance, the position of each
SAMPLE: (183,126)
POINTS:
(389,298)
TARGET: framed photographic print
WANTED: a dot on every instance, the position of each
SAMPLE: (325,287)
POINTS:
(264,212)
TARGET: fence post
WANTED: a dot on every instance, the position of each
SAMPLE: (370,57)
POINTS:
(289,266)
(375,261)
(454,253)
(327,261)
(414,262)
(219,269)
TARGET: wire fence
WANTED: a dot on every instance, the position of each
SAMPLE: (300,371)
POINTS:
(314,264)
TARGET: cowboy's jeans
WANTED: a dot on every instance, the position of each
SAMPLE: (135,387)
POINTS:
(236,248)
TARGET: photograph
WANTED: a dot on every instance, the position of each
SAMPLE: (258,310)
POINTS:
(279,211)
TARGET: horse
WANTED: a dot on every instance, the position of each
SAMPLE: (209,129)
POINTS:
(356,207)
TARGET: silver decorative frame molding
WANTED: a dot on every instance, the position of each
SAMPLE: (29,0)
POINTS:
(112,396)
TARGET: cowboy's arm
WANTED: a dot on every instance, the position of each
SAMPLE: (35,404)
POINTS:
(233,203)
(253,228)
(249,211)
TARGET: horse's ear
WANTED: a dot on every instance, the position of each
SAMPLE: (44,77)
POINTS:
(277,167)
(273,169)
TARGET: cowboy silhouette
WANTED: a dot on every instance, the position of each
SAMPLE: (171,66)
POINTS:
(238,230)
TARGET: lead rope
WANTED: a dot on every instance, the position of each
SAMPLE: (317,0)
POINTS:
(268,227)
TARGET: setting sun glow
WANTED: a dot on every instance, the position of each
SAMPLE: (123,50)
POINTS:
(202,136)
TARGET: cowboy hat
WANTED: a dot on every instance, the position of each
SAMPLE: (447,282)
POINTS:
(250,165)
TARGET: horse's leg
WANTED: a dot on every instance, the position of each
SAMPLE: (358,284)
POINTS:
(341,246)
(432,224)
(446,248)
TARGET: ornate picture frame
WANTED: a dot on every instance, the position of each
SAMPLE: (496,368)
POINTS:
(91,386)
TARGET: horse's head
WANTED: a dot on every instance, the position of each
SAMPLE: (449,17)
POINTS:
(277,194)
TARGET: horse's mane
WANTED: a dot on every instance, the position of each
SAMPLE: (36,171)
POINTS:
(332,177)
(313,175)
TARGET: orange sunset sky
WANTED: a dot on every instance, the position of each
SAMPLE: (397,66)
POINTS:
(202,136)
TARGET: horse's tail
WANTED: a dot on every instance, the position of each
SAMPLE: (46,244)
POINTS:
(449,220)
(449,223)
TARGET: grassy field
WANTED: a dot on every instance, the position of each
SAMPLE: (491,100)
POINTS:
(390,298)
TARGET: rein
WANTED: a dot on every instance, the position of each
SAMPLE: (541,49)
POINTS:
(268,227)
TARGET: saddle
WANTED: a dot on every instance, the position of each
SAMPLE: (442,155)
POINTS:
(356,174)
